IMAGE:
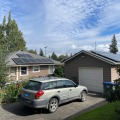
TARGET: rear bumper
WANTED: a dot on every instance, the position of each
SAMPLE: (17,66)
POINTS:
(38,103)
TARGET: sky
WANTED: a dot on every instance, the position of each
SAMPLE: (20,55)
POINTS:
(65,26)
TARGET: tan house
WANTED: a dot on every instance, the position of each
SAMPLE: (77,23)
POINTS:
(23,64)
(92,68)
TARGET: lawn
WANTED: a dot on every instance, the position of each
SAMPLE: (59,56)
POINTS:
(106,112)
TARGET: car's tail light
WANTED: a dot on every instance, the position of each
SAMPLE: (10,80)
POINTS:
(39,94)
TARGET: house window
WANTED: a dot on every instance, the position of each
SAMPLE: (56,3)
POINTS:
(51,69)
(23,71)
(36,68)
(13,71)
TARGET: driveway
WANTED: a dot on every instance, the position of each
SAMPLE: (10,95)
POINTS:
(16,111)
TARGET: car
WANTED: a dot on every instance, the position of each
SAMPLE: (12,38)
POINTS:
(49,93)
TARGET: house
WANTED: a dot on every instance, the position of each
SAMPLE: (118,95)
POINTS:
(92,68)
(23,64)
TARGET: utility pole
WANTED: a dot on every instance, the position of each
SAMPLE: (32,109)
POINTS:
(95,45)
(45,50)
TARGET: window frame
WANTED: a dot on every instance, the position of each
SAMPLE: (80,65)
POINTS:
(38,69)
(26,71)
(53,69)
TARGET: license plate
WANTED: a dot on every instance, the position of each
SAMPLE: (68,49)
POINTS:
(26,95)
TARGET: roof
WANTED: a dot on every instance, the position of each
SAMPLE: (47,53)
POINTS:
(23,58)
(110,58)
(46,79)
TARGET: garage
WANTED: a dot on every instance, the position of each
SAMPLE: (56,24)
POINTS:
(92,68)
(92,78)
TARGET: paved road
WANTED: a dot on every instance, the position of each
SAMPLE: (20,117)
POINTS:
(16,111)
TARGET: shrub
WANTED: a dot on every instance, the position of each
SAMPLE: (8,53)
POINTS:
(12,91)
(59,72)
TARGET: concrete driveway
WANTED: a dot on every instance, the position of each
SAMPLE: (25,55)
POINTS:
(16,111)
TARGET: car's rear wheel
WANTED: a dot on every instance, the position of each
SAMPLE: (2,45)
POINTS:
(83,96)
(53,105)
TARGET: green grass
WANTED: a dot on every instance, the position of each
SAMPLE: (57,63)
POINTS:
(106,112)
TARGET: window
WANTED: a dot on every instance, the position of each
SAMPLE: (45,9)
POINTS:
(49,85)
(61,84)
(23,71)
(69,83)
(33,85)
(51,69)
(13,71)
(36,68)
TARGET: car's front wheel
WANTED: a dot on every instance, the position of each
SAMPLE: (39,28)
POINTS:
(53,105)
(83,96)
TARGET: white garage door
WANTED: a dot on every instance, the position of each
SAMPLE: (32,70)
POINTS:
(92,78)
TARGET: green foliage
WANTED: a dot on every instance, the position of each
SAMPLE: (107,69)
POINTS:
(54,56)
(10,35)
(3,67)
(32,51)
(12,91)
(113,47)
(41,52)
(59,72)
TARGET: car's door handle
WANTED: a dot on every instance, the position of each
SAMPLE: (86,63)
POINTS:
(70,89)
(58,91)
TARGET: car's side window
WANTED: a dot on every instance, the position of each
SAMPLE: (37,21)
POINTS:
(61,84)
(49,85)
(69,83)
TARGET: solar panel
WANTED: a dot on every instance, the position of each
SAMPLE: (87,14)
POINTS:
(47,60)
(18,61)
(24,55)
(21,55)
(26,61)
(32,60)
(115,57)
(28,56)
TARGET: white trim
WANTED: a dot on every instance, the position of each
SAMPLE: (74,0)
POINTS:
(50,68)
(93,55)
(36,71)
(17,74)
(27,71)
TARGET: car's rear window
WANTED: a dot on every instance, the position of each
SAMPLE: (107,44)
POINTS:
(33,85)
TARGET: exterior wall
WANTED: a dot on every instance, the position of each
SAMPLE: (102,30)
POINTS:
(114,74)
(84,60)
(44,70)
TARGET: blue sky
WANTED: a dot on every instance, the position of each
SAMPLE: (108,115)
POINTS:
(65,26)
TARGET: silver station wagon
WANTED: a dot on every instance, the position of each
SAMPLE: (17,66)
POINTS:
(49,93)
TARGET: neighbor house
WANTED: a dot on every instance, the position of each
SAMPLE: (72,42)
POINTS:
(23,64)
(92,68)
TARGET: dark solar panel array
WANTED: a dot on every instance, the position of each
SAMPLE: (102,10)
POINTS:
(24,55)
(21,61)
(111,56)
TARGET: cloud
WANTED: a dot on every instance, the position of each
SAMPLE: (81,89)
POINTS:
(66,25)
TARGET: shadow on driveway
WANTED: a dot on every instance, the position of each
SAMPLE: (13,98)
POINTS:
(20,110)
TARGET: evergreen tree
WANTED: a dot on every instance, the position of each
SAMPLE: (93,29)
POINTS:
(3,67)
(41,52)
(113,47)
(12,37)
(54,56)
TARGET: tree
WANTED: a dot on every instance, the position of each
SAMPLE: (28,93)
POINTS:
(113,47)
(3,67)
(59,72)
(41,52)
(32,51)
(54,56)
(12,37)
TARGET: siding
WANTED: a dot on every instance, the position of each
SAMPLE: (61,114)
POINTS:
(114,74)
(84,60)
(44,70)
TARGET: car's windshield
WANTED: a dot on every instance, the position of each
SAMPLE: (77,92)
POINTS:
(33,85)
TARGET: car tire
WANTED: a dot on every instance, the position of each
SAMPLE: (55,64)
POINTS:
(53,105)
(83,96)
